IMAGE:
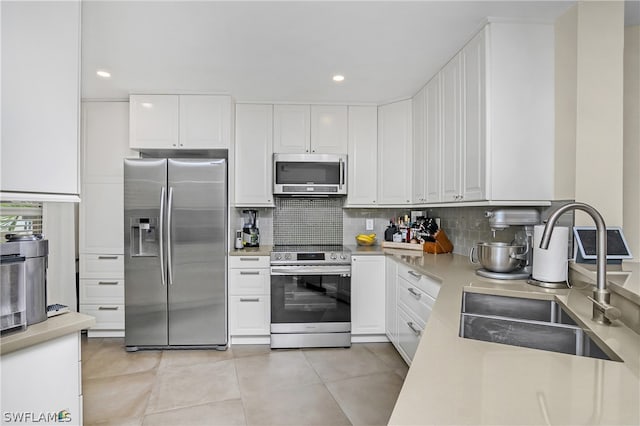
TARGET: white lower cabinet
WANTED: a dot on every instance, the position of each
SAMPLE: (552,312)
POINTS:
(249,299)
(102,293)
(391,302)
(42,384)
(411,296)
(367,295)
(409,333)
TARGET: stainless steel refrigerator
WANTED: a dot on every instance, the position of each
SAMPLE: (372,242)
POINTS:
(175,239)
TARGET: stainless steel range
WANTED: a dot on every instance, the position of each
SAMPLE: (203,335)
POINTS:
(310,296)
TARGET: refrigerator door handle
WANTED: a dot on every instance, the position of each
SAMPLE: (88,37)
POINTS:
(162,202)
(169,241)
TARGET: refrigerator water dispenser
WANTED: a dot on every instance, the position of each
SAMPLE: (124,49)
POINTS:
(144,238)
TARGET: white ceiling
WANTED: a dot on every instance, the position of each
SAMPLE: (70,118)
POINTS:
(282,51)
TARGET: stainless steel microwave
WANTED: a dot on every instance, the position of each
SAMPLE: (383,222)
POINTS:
(309,175)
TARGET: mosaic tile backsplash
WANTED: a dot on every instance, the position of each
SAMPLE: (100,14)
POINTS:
(465,226)
(308,221)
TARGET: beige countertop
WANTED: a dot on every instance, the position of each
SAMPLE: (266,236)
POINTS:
(462,381)
(252,251)
(622,279)
(52,328)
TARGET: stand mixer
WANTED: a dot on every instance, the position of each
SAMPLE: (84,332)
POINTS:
(501,219)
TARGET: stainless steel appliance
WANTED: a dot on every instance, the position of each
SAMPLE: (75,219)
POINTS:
(310,296)
(511,261)
(250,232)
(24,273)
(175,231)
(309,175)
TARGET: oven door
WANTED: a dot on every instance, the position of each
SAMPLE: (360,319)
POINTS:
(310,299)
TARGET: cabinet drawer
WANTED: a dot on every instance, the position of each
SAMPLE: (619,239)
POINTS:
(409,333)
(414,300)
(102,291)
(249,281)
(249,315)
(101,266)
(425,283)
(108,317)
(249,261)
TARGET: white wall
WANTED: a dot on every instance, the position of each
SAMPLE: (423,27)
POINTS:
(58,226)
(589,79)
(631,147)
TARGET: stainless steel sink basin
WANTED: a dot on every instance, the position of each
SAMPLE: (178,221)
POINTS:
(531,323)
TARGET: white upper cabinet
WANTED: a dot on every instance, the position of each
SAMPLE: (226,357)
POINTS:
(520,111)
(474,130)
(419,148)
(105,144)
(154,121)
(496,121)
(394,153)
(291,128)
(319,129)
(363,155)
(329,132)
(180,121)
(205,121)
(433,125)
(40,98)
(105,141)
(254,151)
(451,129)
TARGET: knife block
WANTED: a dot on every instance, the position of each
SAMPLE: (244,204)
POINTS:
(441,244)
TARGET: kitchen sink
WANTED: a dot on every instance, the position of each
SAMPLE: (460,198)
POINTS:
(530,323)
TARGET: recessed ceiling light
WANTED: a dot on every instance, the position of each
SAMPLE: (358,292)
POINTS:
(147,104)
(338,78)
(103,74)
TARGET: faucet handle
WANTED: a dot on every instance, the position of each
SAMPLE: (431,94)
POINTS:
(609,311)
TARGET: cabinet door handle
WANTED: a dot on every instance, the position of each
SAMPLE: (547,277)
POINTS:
(107,282)
(249,259)
(249,272)
(249,299)
(107,257)
(415,330)
(414,293)
(107,308)
(415,274)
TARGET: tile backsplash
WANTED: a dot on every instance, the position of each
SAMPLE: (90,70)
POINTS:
(308,221)
(324,221)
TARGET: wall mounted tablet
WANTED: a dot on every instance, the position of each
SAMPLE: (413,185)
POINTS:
(617,247)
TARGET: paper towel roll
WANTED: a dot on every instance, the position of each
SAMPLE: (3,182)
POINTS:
(550,265)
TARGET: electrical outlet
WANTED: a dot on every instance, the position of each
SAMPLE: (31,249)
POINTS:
(369,224)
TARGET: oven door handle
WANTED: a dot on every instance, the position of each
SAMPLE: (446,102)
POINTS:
(345,272)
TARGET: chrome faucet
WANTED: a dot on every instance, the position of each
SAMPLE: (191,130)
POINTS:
(603,312)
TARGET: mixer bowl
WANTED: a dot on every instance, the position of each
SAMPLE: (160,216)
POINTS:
(498,257)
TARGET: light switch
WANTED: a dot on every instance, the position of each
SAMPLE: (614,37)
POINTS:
(369,224)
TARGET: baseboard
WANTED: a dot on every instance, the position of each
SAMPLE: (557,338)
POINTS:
(105,333)
(250,340)
(369,338)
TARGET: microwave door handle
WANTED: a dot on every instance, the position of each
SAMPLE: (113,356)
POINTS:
(341,173)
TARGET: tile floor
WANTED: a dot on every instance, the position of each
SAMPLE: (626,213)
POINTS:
(245,385)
